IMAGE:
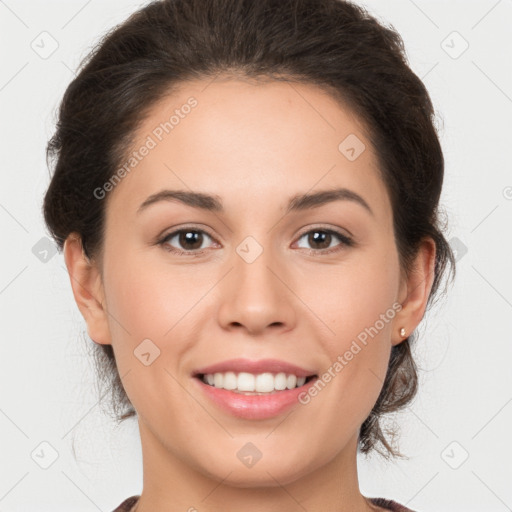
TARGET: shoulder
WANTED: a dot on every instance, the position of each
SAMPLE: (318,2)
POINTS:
(389,505)
(127,504)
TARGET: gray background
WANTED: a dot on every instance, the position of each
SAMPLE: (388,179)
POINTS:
(456,433)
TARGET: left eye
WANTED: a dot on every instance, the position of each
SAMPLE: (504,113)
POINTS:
(324,237)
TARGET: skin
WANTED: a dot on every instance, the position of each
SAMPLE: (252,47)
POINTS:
(254,146)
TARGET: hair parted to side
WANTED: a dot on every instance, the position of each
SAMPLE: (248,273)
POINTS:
(333,44)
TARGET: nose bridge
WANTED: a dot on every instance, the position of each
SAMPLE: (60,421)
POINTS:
(253,263)
(255,296)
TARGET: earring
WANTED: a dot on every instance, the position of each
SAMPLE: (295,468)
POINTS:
(402,332)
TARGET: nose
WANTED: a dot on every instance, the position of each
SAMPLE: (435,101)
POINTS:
(257,296)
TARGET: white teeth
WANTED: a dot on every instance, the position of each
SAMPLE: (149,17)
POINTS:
(291,381)
(247,382)
(280,381)
(218,380)
(264,383)
(230,380)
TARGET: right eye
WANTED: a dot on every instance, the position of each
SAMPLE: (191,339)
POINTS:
(190,239)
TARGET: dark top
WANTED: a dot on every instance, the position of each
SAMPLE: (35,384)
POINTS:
(129,503)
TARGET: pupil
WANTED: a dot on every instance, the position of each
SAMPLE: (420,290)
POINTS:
(315,239)
(187,238)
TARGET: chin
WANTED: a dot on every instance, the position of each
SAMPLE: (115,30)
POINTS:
(272,473)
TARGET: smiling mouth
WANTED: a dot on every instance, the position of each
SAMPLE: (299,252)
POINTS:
(245,383)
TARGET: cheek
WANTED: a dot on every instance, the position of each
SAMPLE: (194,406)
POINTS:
(356,303)
(354,297)
(149,301)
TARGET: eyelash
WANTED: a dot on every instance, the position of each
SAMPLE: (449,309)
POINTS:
(345,241)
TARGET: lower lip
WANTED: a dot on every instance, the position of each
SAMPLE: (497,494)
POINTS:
(254,407)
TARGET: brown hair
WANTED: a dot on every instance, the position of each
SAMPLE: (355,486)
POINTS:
(332,44)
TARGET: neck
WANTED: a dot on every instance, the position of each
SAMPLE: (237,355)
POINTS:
(174,486)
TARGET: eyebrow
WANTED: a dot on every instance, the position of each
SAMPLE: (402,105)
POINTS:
(296,203)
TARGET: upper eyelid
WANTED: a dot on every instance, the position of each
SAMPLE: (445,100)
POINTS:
(186,228)
(336,231)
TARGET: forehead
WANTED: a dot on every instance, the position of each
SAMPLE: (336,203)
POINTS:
(242,139)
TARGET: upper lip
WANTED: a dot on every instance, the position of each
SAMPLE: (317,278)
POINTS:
(250,366)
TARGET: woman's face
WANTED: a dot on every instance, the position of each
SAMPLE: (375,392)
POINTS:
(260,276)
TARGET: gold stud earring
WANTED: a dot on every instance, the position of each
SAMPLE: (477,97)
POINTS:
(402,332)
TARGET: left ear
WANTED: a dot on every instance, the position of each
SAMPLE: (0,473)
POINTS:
(415,290)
